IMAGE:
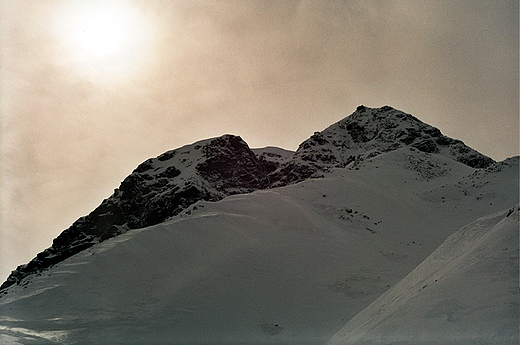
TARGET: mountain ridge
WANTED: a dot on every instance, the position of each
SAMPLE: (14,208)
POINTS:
(289,265)
(367,133)
(212,169)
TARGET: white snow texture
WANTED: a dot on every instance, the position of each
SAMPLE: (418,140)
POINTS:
(402,247)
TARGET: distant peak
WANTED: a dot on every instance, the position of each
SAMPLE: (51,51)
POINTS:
(371,131)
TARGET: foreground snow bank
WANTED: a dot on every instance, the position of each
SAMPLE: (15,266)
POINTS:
(466,292)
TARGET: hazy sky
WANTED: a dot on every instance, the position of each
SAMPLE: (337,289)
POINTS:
(90,89)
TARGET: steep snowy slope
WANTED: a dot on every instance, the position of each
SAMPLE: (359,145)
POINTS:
(290,265)
(159,188)
(466,292)
(215,168)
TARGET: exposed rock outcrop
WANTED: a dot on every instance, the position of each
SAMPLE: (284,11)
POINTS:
(369,132)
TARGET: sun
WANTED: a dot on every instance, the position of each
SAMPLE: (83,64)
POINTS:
(103,33)
(105,37)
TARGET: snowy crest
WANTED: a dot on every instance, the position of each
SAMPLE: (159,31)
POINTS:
(366,133)
(212,169)
(159,188)
(371,131)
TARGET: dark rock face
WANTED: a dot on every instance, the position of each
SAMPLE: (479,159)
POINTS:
(154,192)
(232,164)
(293,172)
(366,133)
(212,169)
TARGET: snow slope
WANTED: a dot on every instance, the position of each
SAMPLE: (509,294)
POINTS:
(290,265)
(214,168)
(160,188)
(466,292)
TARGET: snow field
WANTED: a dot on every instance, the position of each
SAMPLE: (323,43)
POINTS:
(466,292)
(291,265)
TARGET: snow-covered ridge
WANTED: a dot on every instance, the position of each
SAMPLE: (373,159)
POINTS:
(273,154)
(465,292)
(289,265)
(212,169)
(159,188)
(370,131)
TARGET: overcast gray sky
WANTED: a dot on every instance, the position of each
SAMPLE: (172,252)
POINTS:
(89,89)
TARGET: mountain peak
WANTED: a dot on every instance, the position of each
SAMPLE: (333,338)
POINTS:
(212,169)
(157,189)
(370,131)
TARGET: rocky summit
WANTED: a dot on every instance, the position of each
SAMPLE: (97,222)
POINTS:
(212,169)
(366,133)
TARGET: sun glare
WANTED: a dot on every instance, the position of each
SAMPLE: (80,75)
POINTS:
(103,33)
(105,37)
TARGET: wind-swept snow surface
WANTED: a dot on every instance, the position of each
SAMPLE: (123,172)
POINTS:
(179,255)
(466,292)
(290,265)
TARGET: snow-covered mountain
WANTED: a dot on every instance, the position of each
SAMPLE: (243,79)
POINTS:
(366,133)
(215,168)
(218,243)
(160,188)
